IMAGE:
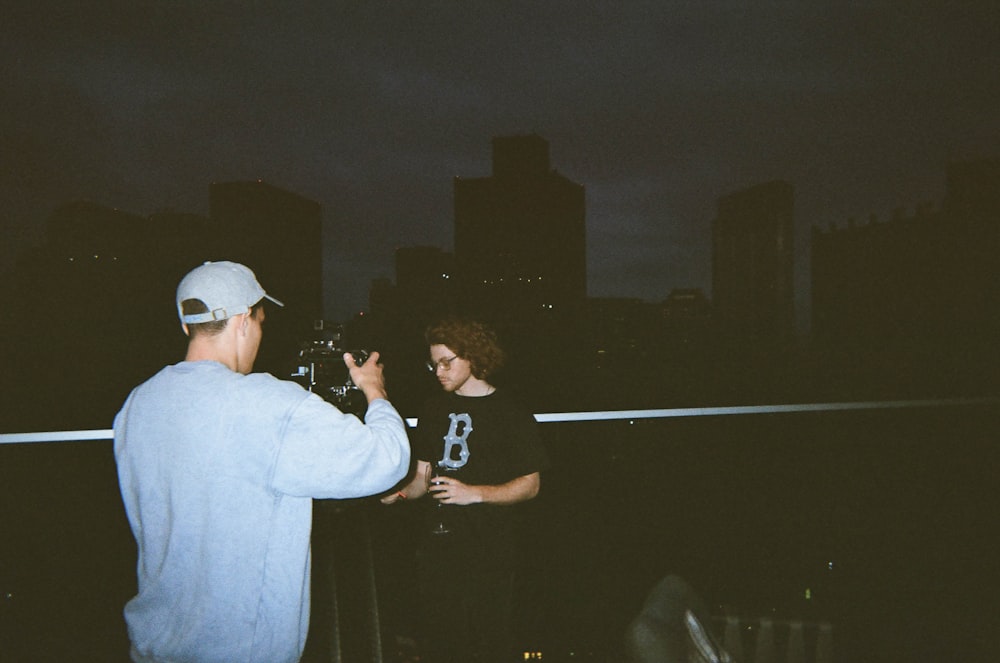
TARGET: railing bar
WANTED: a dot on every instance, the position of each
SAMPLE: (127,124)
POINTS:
(62,436)
(757,409)
(611,415)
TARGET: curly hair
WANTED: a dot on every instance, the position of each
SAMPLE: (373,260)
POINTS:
(470,339)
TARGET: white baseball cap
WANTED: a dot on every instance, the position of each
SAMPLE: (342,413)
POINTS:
(226,288)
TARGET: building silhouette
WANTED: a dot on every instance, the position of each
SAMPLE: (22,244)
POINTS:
(520,260)
(908,305)
(424,289)
(753,265)
(686,320)
(520,234)
(92,312)
(278,234)
(624,331)
(519,263)
(425,284)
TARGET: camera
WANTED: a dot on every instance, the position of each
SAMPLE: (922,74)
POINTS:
(320,368)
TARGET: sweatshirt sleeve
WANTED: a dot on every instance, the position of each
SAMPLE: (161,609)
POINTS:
(326,454)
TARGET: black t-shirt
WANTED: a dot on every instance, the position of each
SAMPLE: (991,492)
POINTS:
(486,440)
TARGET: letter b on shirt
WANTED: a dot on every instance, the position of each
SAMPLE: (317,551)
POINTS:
(458,435)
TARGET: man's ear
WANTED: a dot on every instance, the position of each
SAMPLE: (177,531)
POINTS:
(184,328)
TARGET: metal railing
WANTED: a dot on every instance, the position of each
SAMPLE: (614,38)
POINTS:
(768,639)
(609,415)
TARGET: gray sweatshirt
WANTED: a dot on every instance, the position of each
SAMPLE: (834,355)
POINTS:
(217,473)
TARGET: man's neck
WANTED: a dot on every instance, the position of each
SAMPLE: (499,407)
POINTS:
(207,349)
(474,387)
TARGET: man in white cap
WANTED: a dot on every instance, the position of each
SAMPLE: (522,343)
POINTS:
(218,467)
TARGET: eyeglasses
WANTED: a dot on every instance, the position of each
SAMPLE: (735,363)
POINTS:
(443,364)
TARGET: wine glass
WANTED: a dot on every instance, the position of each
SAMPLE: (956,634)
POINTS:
(440,527)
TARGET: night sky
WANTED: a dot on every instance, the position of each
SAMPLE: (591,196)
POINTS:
(371,108)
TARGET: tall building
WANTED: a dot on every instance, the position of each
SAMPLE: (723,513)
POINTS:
(400,312)
(685,316)
(753,264)
(520,234)
(424,288)
(425,272)
(909,303)
(278,234)
(93,311)
(104,283)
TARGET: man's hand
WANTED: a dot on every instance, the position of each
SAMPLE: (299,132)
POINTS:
(449,490)
(367,377)
(414,488)
(391,498)
(452,491)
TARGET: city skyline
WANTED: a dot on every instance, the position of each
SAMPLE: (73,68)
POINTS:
(657,109)
(802,287)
